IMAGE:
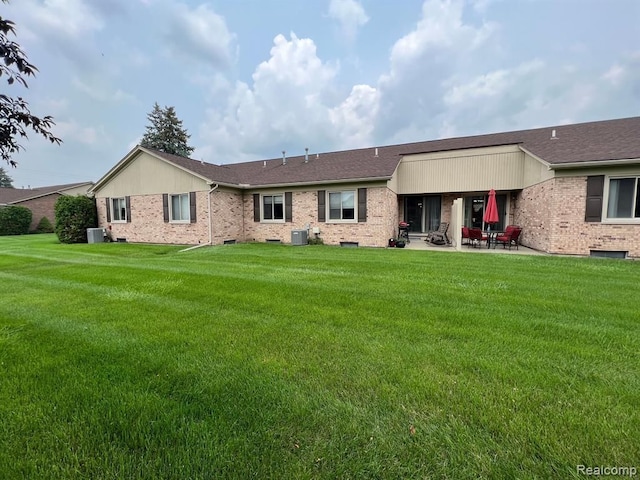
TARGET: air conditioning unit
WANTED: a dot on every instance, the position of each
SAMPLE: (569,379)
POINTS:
(299,237)
(95,235)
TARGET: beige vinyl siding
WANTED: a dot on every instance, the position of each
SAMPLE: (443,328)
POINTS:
(535,171)
(477,169)
(392,184)
(146,175)
(80,190)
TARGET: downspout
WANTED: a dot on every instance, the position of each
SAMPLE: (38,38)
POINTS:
(209,203)
(210,229)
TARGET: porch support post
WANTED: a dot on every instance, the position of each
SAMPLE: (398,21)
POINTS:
(456,223)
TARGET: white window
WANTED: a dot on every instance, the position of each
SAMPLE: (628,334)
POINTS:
(119,209)
(179,208)
(342,206)
(273,207)
(623,199)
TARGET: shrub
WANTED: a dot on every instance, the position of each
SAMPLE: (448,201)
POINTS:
(44,226)
(73,216)
(315,241)
(15,220)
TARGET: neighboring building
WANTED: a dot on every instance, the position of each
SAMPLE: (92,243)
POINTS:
(573,189)
(41,200)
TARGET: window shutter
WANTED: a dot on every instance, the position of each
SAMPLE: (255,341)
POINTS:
(165,207)
(322,209)
(288,207)
(256,207)
(127,201)
(108,202)
(595,191)
(192,206)
(362,205)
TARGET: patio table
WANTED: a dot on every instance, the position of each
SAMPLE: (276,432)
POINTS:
(491,237)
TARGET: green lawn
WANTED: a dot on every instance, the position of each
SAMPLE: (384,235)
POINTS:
(268,361)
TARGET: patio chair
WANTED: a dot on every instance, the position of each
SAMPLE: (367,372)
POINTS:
(475,237)
(465,236)
(439,237)
(509,237)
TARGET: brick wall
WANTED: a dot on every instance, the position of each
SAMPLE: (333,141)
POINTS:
(227,222)
(533,212)
(572,235)
(382,209)
(41,207)
(147,222)
(552,216)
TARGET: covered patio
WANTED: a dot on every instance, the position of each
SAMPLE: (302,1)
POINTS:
(418,242)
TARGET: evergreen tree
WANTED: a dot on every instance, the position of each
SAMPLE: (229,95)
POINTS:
(165,132)
(5,180)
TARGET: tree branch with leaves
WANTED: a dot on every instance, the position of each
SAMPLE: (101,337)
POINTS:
(15,116)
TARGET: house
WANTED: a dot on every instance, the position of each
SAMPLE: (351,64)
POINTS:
(41,201)
(573,189)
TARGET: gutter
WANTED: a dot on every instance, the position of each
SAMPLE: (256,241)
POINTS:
(595,163)
(246,186)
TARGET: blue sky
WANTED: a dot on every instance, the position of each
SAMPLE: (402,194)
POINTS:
(250,78)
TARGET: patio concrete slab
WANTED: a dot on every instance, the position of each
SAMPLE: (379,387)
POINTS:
(418,243)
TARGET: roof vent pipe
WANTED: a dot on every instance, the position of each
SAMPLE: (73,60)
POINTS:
(284,157)
(306,155)
(264,163)
(553,135)
(376,151)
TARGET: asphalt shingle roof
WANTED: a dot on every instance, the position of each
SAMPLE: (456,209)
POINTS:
(13,195)
(584,142)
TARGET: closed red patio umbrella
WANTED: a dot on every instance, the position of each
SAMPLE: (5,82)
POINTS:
(491,214)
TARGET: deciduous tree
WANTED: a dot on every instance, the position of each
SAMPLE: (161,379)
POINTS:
(15,116)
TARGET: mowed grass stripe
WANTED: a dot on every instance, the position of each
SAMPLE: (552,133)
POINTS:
(274,361)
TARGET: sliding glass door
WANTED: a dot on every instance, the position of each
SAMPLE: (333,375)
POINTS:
(422,213)
(474,207)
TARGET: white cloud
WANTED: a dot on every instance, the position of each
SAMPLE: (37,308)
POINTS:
(492,84)
(350,15)
(66,26)
(74,131)
(101,92)
(615,74)
(440,30)
(72,19)
(291,103)
(355,118)
(421,64)
(201,34)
